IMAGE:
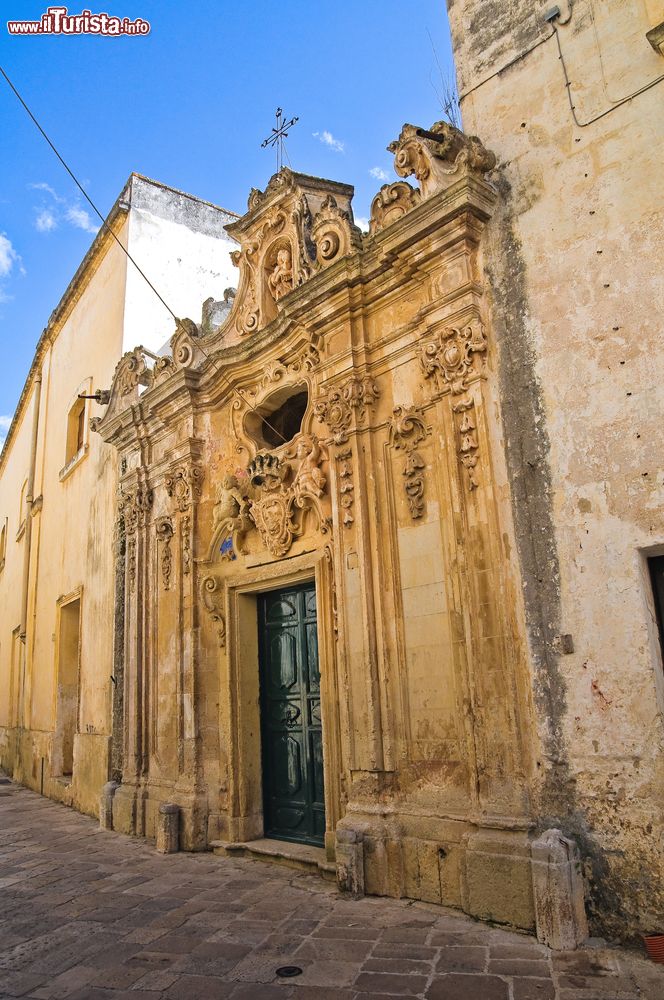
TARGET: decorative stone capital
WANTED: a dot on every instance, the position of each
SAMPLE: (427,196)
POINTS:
(183,485)
(336,407)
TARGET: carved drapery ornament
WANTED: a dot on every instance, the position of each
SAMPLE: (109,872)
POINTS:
(455,356)
(407,430)
(467,433)
(212,595)
(337,406)
(439,156)
(164,530)
(346,486)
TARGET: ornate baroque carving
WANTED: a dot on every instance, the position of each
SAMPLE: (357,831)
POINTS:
(337,405)
(185,531)
(468,445)
(134,504)
(131,371)
(439,156)
(346,486)
(391,202)
(212,595)
(183,484)
(280,279)
(333,232)
(277,487)
(455,356)
(407,430)
(164,529)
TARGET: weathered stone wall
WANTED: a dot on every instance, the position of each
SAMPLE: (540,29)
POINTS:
(573,261)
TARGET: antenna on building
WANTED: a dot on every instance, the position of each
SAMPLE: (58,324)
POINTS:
(276,139)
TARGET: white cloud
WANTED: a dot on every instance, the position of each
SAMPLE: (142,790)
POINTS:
(379,174)
(328,140)
(4,427)
(362,222)
(45,221)
(81,219)
(42,186)
(9,259)
(57,209)
(8,256)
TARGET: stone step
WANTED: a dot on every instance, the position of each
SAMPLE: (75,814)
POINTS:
(300,856)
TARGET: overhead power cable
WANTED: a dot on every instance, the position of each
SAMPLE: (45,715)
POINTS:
(126,252)
(87,196)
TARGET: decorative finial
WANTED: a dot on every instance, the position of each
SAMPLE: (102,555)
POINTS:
(278,135)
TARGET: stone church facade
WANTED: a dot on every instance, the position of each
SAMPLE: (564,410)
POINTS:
(382,581)
(322,638)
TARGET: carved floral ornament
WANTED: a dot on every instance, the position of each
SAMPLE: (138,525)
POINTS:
(270,494)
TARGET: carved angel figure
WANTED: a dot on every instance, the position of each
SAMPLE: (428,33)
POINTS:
(280,280)
(232,505)
(309,478)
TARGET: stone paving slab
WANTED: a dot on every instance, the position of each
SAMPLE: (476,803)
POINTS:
(91,915)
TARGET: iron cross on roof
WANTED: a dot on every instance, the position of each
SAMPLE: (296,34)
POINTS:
(278,135)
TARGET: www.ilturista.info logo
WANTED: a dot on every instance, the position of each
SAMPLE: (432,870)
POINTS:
(58,21)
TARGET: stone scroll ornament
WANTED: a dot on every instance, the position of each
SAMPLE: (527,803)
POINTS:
(407,430)
(212,595)
(439,156)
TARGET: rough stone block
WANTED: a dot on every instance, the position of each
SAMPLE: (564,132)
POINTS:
(106,805)
(350,861)
(497,878)
(558,892)
(168,828)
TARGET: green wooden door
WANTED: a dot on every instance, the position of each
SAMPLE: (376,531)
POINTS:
(294,805)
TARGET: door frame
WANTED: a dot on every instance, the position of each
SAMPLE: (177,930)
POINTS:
(264,660)
(240,692)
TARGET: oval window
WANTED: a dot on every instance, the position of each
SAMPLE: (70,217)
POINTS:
(279,417)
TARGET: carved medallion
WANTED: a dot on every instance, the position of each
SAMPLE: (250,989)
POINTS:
(455,356)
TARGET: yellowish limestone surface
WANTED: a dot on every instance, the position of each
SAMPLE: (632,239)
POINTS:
(573,259)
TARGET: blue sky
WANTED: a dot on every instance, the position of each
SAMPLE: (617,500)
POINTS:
(189,105)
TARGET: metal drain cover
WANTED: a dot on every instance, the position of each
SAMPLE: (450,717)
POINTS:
(288,971)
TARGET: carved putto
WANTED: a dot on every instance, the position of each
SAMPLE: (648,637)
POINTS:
(280,278)
(439,156)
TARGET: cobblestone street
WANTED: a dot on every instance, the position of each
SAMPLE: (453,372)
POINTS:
(90,914)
